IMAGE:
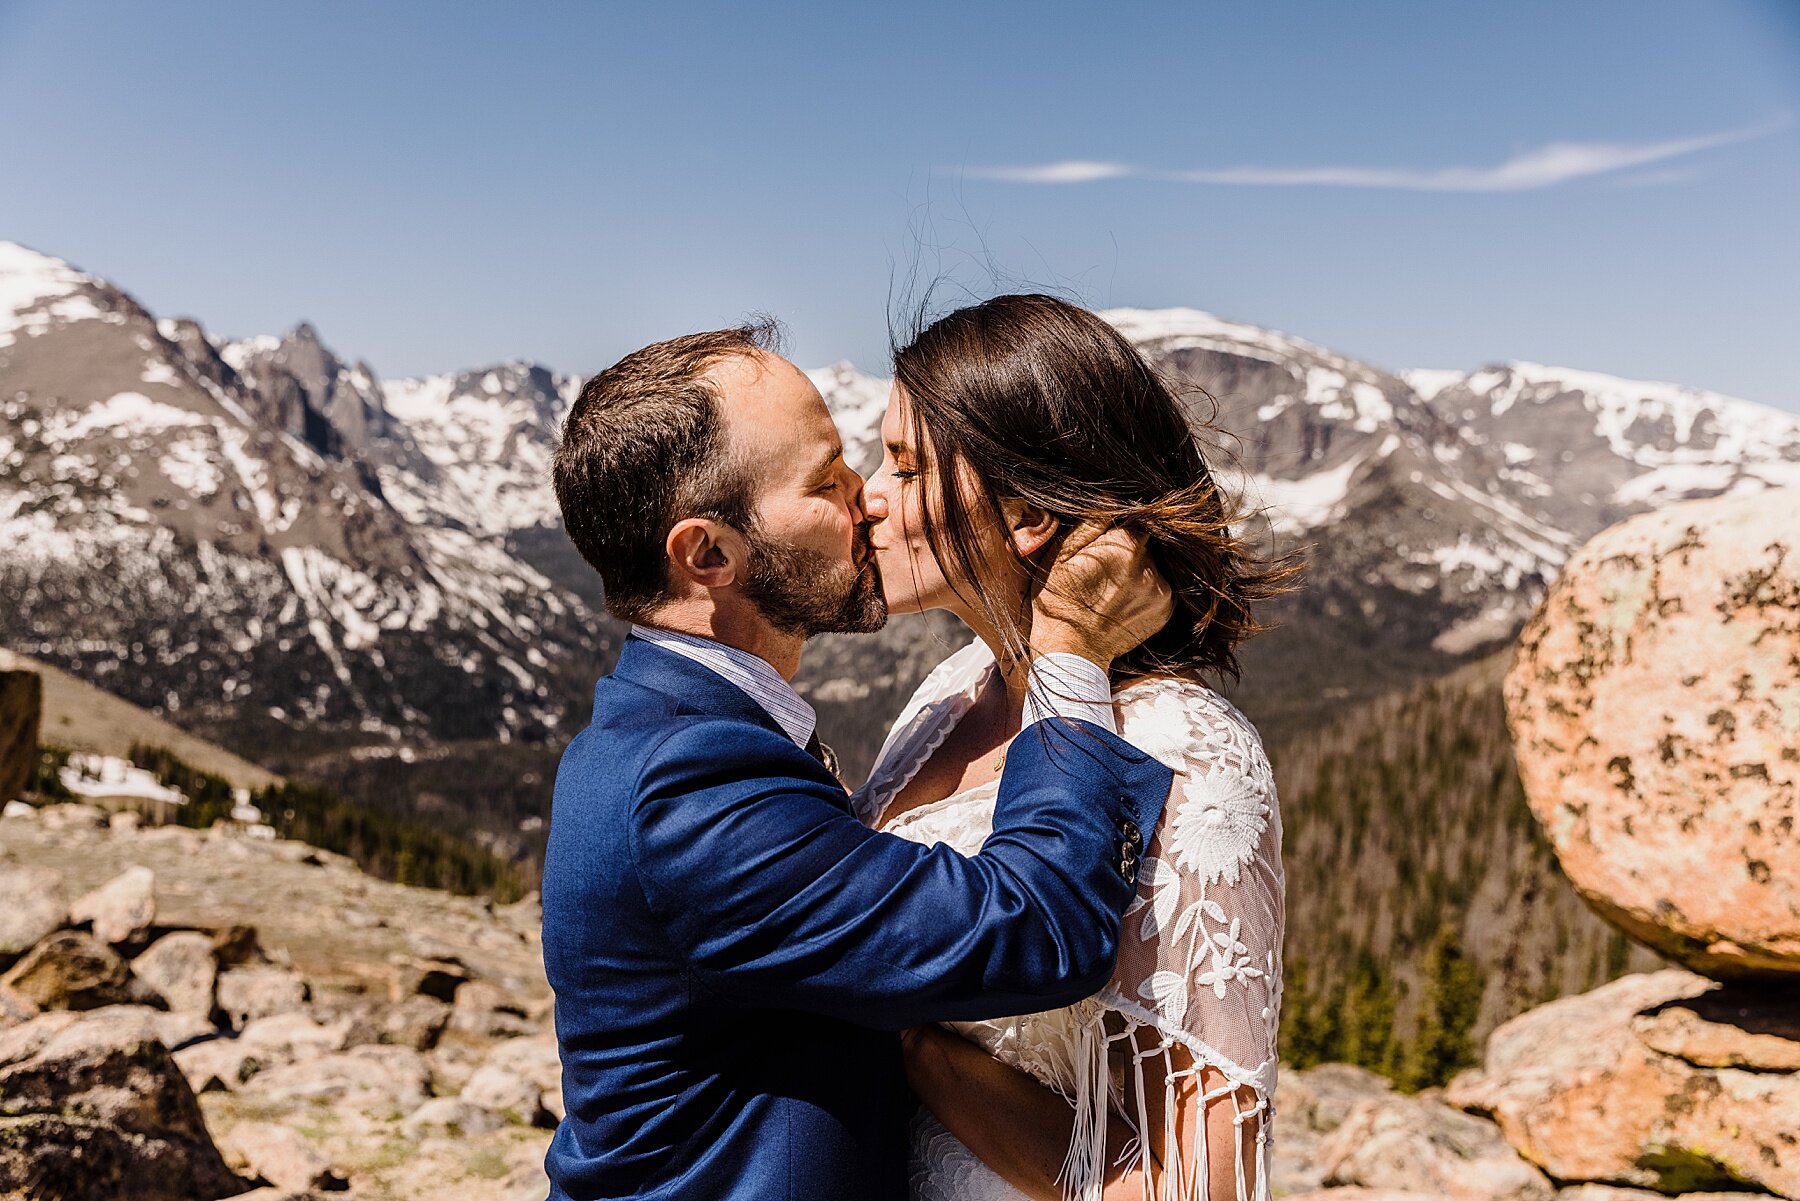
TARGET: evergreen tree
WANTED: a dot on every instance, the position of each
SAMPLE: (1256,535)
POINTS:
(1453,990)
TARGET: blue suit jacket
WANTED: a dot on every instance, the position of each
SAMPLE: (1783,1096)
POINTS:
(732,950)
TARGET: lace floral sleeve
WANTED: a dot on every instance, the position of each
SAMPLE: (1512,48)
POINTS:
(1200,953)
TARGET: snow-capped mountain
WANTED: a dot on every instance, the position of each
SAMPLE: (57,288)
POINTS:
(208,529)
(258,527)
(1594,448)
(857,402)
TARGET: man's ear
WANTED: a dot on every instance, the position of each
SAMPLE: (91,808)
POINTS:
(1029,527)
(704,552)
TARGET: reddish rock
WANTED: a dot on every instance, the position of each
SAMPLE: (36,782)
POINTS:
(1655,711)
(1736,1026)
(1579,1093)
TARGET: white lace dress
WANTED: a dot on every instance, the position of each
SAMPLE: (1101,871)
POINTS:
(1200,956)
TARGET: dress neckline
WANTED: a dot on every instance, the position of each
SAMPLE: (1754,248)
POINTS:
(946,715)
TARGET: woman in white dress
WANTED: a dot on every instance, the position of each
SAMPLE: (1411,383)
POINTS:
(1010,421)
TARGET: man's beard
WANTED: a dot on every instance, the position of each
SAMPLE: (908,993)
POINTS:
(807,592)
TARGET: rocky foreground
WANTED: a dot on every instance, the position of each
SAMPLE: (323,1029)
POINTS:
(203,1015)
(191,1015)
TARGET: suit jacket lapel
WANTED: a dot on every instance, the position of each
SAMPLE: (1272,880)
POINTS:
(694,687)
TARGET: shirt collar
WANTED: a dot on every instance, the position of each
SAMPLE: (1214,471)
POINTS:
(760,681)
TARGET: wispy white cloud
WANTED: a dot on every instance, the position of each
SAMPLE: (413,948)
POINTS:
(1073,171)
(1544,167)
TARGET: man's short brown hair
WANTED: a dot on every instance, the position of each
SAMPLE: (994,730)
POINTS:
(644,447)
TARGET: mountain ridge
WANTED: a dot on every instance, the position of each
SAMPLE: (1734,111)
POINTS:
(358,562)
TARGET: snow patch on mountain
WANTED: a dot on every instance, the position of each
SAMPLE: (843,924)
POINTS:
(1294,506)
(37,292)
(857,402)
(240,352)
(1429,381)
(1740,430)
(491,434)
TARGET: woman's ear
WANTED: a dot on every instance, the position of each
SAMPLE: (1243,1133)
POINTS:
(704,552)
(1029,527)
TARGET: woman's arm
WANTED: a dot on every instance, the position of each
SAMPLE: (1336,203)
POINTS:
(1022,1130)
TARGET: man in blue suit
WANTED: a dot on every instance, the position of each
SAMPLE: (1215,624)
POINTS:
(732,951)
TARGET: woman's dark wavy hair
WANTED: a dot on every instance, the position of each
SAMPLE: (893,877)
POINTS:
(1045,402)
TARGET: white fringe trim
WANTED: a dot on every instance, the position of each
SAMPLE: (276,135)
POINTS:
(1184,1178)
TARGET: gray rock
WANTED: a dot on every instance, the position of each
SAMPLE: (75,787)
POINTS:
(394,1080)
(509,1094)
(181,967)
(32,907)
(1421,1144)
(1312,1104)
(15,1009)
(416,1022)
(71,815)
(484,1010)
(294,1035)
(282,1156)
(120,909)
(71,970)
(435,978)
(219,1064)
(248,993)
(450,1117)
(534,1058)
(172,1030)
(96,1110)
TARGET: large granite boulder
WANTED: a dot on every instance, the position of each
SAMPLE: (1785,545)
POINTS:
(21,707)
(1655,711)
(1595,1088)
(91,1106)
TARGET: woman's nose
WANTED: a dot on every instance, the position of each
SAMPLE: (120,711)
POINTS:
(872,499)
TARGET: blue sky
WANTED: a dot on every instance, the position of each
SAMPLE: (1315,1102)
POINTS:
(1612,186)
